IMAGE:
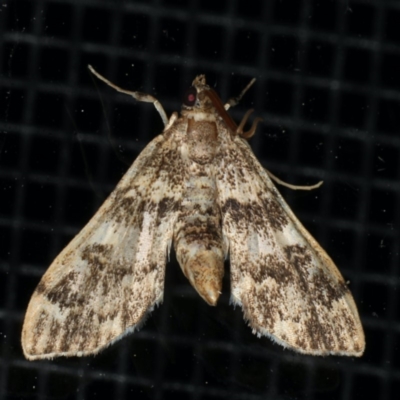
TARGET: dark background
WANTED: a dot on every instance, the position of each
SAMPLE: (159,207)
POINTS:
(328,89)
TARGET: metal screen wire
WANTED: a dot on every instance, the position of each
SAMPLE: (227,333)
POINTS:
(328,90)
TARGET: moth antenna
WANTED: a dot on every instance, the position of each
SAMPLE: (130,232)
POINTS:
(235,100)
(290,186)
(139,96)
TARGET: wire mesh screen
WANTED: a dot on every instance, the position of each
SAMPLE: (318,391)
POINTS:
(327,88)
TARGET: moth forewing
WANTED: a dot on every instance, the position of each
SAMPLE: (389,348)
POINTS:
(288,287)
(112,273)
(198,186)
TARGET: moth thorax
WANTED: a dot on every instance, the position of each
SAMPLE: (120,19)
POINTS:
(202,139)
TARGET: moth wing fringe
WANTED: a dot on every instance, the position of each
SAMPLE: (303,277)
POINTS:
(82,353)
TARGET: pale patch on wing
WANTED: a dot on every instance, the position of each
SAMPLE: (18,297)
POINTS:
(288,287)
(111,274)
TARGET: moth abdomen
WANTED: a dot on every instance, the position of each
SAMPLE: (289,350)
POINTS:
(198,238)
(205,270)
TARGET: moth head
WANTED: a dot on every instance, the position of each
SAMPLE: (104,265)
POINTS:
(199,101)
(196,98)
(202,103)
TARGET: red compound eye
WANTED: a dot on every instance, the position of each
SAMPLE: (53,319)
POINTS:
(190,97)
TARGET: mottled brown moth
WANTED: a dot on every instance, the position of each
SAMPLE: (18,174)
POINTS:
(197,187)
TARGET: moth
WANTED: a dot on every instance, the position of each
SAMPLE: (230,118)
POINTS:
(199,188)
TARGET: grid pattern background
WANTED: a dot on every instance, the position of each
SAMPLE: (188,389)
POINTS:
(328,89)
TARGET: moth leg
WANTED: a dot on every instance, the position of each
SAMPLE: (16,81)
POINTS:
(252,130)
(146,98)
(290,186)
(235,100)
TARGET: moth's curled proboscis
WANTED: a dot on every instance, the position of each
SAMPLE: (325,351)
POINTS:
(199,188)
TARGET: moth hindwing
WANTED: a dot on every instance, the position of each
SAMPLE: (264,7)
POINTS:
(198,187)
